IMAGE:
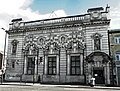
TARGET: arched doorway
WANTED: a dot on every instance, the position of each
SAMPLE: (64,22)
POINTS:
(98,65)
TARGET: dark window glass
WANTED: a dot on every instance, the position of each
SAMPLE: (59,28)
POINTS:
(75,65)
(117,56)
(52,65)
(117,40)
(13,64)
(31,65)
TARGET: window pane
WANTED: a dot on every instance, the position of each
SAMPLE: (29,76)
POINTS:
(30,65)
(73,58)
(73,71)
(77,58)
(75,65)
(52,65)
(54,70)
(77,70)
(78,63)
(117,56)
(50,70)
(117,40)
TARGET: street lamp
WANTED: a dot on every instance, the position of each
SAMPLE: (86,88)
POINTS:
(4,52)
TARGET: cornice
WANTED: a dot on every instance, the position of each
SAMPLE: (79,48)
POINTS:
(60,25)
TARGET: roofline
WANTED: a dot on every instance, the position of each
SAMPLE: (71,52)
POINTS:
(57,18)
(114,31)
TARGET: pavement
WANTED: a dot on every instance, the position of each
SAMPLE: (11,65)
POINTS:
(61,86)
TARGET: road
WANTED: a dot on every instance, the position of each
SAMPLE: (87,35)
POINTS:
(54,88)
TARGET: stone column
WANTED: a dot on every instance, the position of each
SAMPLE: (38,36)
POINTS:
(57,65)
(25,65)
(108,73)
(105,72)
(81,64)
(46,65)
(68,64)
(35,65)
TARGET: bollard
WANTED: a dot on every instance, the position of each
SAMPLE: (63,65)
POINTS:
(92,82)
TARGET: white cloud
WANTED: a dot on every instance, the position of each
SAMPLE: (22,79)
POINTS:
(115,17)
(11,9)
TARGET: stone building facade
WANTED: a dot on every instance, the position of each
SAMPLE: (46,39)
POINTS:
(114,36)
(68,49)
(1,59)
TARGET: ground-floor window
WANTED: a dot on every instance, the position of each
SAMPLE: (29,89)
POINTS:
(30,65)
(52,65)
(117,56)
(75,65)
(13,64)
(118,74)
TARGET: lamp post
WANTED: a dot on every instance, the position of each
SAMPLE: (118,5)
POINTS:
(4,52)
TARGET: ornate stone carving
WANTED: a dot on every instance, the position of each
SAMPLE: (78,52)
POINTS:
(14,42)
(41,41)
(95,56)
(52,48)
(96,36)
(63,40)
(31,49)
(29,38)
(75,42)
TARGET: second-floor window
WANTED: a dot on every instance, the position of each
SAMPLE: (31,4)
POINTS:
(117,40)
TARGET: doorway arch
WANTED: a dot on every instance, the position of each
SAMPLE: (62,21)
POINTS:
(98,65)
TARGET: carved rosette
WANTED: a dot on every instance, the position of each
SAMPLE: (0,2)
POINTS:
(63,40)
(41,41)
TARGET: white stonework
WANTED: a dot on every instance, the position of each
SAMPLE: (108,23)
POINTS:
(57,51)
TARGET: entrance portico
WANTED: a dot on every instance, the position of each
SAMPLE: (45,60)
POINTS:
(99,66)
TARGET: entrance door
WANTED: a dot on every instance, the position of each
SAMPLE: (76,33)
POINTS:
(98,73)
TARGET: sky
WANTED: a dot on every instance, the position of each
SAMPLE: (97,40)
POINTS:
(42,9)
